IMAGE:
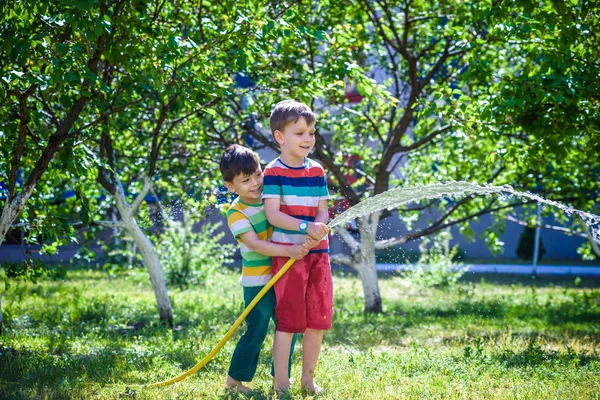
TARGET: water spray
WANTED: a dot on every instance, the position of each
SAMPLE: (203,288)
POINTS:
(390,200)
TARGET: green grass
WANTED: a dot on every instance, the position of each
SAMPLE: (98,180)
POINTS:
(94,334)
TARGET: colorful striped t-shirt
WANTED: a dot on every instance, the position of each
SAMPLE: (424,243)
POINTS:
(244,217)
(299,190)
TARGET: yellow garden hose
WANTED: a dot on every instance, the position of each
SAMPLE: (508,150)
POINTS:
(229,333)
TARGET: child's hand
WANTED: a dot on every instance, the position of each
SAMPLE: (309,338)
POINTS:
(310,242)
(297,251)
(317,230)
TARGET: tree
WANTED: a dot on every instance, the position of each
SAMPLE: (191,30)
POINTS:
(547,102)
(50,56)
(431,116)
(414,46)
(160,74)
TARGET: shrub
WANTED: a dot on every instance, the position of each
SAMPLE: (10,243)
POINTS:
(435,267)
(190,258)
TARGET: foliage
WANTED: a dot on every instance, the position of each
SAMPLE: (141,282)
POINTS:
(103,100)
(444,94)
(29,271)
(111,92)
(96,96)
(121,253)
(190,258)
(67,339)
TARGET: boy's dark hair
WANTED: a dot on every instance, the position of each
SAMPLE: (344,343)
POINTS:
(289,111)
(238,160)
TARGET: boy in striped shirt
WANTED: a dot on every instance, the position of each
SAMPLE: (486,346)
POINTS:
(295,194)
(247,221)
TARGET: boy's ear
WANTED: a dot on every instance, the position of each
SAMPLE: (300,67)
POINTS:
(229,186)
(278,135)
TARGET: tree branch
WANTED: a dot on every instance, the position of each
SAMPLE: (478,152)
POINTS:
(164,110)
(328,161)
(347,237)
(561,229)
(140,197)
(20,147)
(368,118)
(47,109)
(424,140)
(342,259)
(107,152)
(111,112)
(382,244)
(375,19)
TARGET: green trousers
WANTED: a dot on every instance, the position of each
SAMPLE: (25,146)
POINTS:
(245,356)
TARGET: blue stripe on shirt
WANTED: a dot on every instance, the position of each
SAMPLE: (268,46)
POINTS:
(296,182)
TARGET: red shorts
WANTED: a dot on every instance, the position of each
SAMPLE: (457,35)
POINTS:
(304,294)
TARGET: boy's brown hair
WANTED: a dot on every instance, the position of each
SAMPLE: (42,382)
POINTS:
(238,160)
(289,112)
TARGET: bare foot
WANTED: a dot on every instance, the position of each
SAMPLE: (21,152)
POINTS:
(281,389)
(281,385)
(311,387)
(234,384)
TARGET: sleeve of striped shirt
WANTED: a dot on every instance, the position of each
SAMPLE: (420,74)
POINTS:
(271,185)
(323,190)
(238,223)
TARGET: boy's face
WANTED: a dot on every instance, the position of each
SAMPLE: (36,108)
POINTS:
(248,187)
(296,140)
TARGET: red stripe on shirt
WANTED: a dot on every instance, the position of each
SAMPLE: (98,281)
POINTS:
(310,172)
(298,210)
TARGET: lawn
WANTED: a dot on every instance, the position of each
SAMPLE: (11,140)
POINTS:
(94,334)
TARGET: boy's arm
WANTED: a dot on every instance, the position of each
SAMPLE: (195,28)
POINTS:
(316,229)
(321,217)
(322,212)
(278,218)
(266,248)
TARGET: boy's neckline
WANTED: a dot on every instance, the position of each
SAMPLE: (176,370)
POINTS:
(304,164)
(246,203)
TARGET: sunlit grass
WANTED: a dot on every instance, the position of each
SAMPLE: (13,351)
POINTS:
(94,335)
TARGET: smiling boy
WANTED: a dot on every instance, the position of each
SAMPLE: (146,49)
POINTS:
(247,221)
(295,194)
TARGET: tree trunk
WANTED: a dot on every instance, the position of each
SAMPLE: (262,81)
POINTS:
(370,283)
(145,247)
(366,267)
(153,264)
(10,212)
(4,222)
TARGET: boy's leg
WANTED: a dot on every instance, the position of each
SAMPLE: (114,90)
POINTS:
(292,347)
(281,360)
(311,347)
(246,354)
(290,316)
(319,313)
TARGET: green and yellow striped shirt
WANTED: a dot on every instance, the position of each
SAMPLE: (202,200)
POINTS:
(241,218)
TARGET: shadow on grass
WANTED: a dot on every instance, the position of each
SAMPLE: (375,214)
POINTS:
(563,281)
(27,374)
(533,356)
(31,372)
(578,315)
